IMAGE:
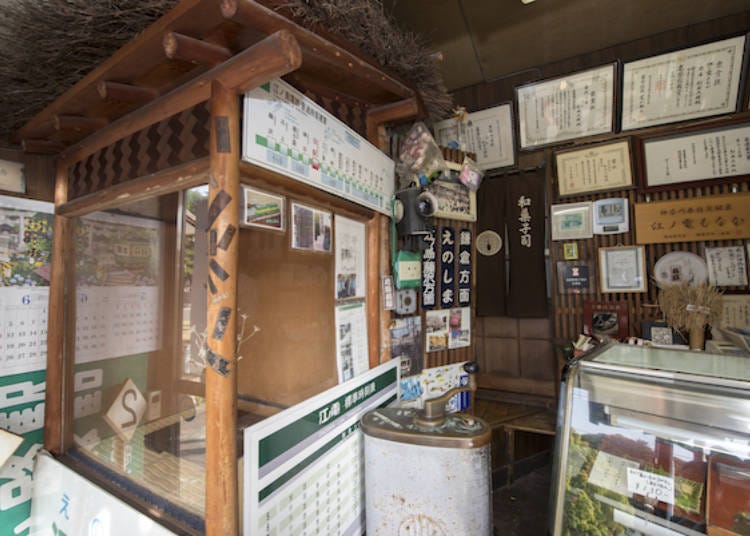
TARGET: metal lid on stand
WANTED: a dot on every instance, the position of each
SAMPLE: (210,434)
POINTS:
(456,430)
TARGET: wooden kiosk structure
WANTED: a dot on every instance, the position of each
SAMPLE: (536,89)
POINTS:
(162,115)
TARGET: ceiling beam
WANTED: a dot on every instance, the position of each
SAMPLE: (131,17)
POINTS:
(116,91)
(182,47)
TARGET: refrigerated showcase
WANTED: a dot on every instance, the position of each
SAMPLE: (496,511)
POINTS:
(653,441)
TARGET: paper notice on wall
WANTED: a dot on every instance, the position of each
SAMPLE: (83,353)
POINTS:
(349,238)
(351,340)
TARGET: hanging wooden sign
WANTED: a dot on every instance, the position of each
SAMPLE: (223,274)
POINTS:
(720,217)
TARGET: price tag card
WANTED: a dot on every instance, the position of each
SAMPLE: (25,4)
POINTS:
(651,485)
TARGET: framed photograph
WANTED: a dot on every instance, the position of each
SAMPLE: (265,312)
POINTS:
(454,200)
(486,133)
(570,251)
(611,216)
(622,269)
(717,154)
(727,266)
(605,319)
(594,168)
(700,81)
(565,108)
(575,277)
(571,221)
(263,209)
(311,228)
(661,334)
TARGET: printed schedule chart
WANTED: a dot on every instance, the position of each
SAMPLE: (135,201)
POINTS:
(324,499)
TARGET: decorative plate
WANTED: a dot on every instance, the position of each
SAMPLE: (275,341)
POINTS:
(680,267)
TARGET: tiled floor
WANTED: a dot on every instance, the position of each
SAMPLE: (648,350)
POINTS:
(522,508)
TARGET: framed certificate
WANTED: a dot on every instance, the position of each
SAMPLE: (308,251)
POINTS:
(571,221)
(721,153)
(573,106)
(687,84)
(486,133)
(594,168)
(622,269)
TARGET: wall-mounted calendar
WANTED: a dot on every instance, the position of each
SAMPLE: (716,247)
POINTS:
(117,292)
(285,131)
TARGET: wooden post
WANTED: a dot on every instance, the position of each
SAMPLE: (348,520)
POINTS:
(221,370)
(186,48)
(56,367)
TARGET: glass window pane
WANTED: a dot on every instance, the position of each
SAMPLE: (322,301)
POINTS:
(136,316)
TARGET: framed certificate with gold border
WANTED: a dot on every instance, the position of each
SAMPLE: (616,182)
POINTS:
(594,168)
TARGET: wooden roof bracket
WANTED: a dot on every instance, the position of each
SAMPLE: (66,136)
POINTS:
(272,57)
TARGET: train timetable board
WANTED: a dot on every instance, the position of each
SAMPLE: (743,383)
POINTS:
(304,467)
(289,133)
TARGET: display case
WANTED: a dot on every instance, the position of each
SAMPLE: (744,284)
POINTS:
(653,441)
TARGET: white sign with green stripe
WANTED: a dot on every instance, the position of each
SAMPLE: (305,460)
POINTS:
(289,133)
(304,466)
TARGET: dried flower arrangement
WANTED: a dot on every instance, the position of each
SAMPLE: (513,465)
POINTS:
(691,308)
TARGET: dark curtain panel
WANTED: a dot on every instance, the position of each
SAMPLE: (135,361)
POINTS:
(527,291)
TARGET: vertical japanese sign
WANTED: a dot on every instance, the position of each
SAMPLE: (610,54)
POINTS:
(447,266)
(25,245)
(464,267)
(429,269)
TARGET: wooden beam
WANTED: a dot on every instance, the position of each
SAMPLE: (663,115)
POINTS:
(182,47)
(116,91)
(163,182)
(253,15)
(398,112)
(222,507)
(42,146)
(78,123)
(274,56)
(372,286)
(53,411)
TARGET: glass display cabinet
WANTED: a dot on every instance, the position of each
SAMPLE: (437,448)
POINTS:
(653,441)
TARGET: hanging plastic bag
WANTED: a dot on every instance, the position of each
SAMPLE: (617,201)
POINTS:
(471,175)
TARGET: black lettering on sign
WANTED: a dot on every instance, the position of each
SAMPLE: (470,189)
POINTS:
(226,238)
(218,204)
(223,143)
(218,270)
(221,323)
(129,409)
(211,285)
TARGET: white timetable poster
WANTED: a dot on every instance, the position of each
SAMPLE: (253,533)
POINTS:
(304,467)
(351,339)
(287,132)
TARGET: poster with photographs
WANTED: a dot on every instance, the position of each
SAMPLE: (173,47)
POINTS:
(311,228)
(454,200)
(406,344)
(350,258)
(447,329)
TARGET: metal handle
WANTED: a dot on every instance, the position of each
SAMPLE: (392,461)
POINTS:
(433,413)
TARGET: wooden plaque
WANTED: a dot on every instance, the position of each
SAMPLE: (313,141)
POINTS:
(721,217)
